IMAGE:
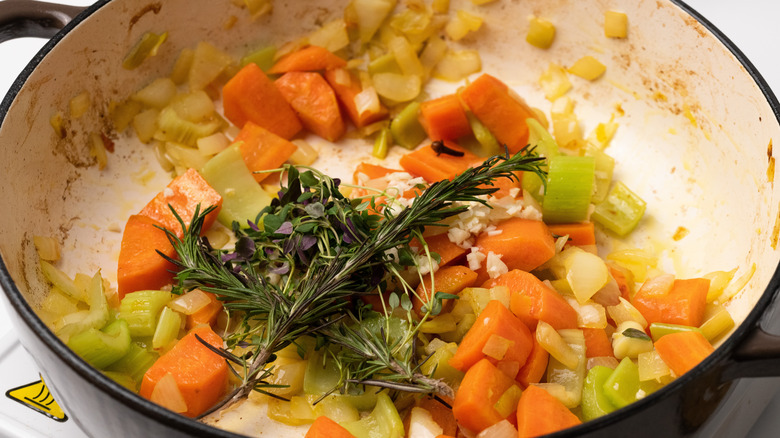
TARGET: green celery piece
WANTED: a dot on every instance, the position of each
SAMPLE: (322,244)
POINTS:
(101,348)
(122,379)
(384,64)
(167,330)
(180,130)
(141,309)
(622,385)
(382,422)
(94,318)
(488,144)
(594,402)
(621,211)
(382,143)
(147,46)
(322,375)
(569,188)
(541,139)
(242,197)
(135,363)
(406,128)
(605,166)
(361,402)
(438,365)
(263,58)
(659,329)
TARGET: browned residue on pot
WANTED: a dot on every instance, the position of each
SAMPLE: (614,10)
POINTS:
(770,169)
(152,7)
(775,232)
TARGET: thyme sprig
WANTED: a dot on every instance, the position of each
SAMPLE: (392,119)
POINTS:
(294,269)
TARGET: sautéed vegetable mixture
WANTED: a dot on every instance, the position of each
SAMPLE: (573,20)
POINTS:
(456,291)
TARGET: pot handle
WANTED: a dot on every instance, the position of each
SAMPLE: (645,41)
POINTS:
(757,356)
(28,18)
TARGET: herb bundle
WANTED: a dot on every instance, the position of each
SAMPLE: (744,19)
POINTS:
(294,271)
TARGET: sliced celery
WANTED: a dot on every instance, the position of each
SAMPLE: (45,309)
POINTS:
(61,280)
(382,422)
(167,330)
(135,363)
(438,365)
(717,321)
(122,379)
(242,196)
(145,47)
(94,318)
(322,374)
(485,138)
(622,385)
(382,143)
(263,58)
(102,348)
(175,128)
(658,329)
(141,309)
(569,188)
(594,402)
(541,139)
(605,166)
(621,211)
(406,128)
(337,408)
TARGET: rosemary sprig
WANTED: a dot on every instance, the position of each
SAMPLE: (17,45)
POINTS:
(323,248)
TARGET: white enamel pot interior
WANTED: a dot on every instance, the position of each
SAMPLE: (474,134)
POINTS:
(696,125)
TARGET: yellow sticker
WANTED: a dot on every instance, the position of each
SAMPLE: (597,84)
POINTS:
(37,397)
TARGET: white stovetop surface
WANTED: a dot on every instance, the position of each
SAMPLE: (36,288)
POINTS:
(750,24)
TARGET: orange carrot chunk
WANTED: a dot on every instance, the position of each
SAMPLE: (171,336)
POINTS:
(482,387)
(184,194)
(262,149)
(444,118)
(207,314)
(200,374)
(251,95)
(533,301)
(682,351)
(433,167)
(497,335)
(347,87)
(535,367)
(324,427)
(539,413)
(683,304)
(309,58)
(597,343)
(492,103)
(449,280)
(441,245)
(522,243)
(140,267)
(315,103)
(371,171)
(581,233)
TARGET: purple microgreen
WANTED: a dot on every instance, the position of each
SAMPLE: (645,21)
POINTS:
(307,242)
(229,257)
(252,225)
(245,248)
(280,269)
(315,210)
(285,228)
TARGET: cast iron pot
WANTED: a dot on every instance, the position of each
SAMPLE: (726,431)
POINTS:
(695,140)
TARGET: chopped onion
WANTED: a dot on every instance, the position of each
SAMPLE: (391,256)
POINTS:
(422,424)
(332,36)
(497,346)
(305,154)
(79,104)
(97,149)
(457,65)
(166,393)
(48,248)
(367,101)
(190,302)
(586,273)
(502,429)
(341,76)
(212,144)
(604,361)
(397,87)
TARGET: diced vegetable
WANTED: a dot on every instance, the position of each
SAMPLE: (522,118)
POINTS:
(481,388)
(134,363)
(533,301)
(570,376)
(348,88)
(314,101)
(383,421)
(682,304)
(263,58)
(262,150)
(717,321)
(250,95)
(683,350)
(101,348)
(168,324)
(208,62)
(141,310)
(630,340)
(621,211)
(433,166)
(541,33)
(588,68)
(535,366)
(145,47)
(594,402)
(569,187)
(242,197)
(200,374)
(622,385)
(206,314)
(444,118)
(539,413)
(491,102)
(307,59)
(406,128)
(523,243)
(448,280)
(494,320)
(369,15)
(324,427)
(615,24)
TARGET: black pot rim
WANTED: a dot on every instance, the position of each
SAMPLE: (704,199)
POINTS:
(155,412)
